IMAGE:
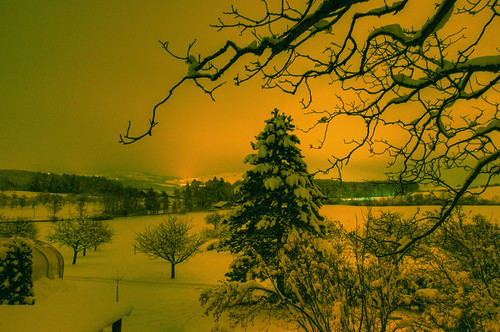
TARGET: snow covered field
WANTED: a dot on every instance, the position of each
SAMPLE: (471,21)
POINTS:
(159,303)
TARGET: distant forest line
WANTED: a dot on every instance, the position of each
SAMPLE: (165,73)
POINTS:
(94,185)
(116,199)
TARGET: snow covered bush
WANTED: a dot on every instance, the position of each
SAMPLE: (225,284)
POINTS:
(170,240)
(21,227)
(214,219)
(277,200)
(465,276)
(15,272)
(449,280)
(327,284)
(387,281)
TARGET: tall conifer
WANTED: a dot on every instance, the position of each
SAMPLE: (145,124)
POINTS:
(277,200)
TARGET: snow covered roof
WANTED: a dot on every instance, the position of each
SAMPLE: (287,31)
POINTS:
(221,204)
(76,316)
(60,306)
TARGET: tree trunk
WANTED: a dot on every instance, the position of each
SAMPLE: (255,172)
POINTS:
(280,283)
(74,256)
(172,270)
(84,252)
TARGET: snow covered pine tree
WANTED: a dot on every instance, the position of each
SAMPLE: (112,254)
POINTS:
(277,202)
(15,271)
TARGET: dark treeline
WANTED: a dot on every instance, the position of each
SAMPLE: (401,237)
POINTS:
(416,199)
(194,196)
(199,196)
(343,189)
(129,201)
(114,198)
(56,183)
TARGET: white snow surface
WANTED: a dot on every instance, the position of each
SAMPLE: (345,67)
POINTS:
(86,299)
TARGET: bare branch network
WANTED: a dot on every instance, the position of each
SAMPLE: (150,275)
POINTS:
(436,82)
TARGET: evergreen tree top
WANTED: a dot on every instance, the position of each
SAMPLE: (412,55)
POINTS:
(276,142)
(278,193)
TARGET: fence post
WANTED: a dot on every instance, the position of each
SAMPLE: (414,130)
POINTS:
(117,326)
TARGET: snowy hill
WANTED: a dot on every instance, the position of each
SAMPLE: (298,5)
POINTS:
(143,180)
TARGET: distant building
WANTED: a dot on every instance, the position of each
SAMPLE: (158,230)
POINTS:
(222,205)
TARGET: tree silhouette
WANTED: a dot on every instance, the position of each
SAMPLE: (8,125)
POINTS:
(433,81)
(151,201)
(170,240)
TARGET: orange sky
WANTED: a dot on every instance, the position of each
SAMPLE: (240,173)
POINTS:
(72,73)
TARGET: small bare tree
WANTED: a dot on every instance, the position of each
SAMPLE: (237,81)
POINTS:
(169,240)
(54,205)
(68,233)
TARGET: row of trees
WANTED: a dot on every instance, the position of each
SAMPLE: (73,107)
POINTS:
(350,189)
(23,201)
(199,196)
(53,202)
(123,202)
(80,234)
(56,183)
